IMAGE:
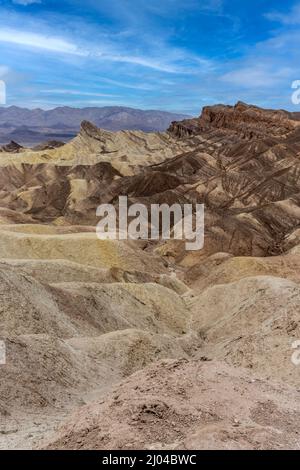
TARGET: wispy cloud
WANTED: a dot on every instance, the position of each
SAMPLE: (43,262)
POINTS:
(25,2)
(157,53)
(130,86)
(57,91)
(62,46)
(136,60)
(108,52)
(292,17)
(38,41)
(257,77)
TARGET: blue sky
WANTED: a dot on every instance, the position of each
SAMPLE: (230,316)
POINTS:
(149,54)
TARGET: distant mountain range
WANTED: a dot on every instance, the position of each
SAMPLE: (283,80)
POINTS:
(30,126)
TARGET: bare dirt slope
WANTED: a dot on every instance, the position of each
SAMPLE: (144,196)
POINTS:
(187,405)
(79,315)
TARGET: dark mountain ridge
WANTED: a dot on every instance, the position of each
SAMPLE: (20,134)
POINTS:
(18,123)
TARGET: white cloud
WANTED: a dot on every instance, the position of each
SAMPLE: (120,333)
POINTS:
(133,86)
(77,93)
(38,41)
(290,18)
(136,60)
(256,76)
(177,63)
(25,2)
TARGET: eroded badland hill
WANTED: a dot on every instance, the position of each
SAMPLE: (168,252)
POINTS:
(141,344)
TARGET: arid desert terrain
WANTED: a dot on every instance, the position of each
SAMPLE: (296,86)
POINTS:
(116,344)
